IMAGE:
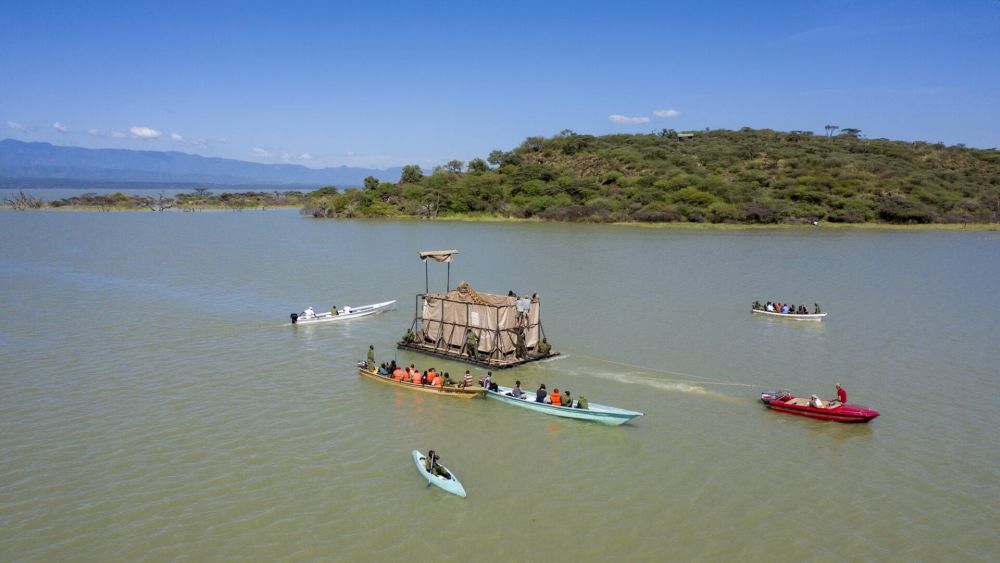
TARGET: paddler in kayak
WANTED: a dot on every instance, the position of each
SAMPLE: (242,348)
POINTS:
(433,467)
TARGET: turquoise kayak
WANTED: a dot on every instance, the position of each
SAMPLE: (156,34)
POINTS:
(451,485)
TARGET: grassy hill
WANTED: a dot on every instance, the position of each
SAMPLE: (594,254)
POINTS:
(746,176)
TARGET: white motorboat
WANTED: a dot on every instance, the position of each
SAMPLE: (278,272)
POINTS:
(790,316)
(309,316)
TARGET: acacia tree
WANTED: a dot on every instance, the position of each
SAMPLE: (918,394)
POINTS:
(830,129)
(159,203)
(850,132)
(412,174)
(371,183)
(454,166)
(478,165)
(495,157)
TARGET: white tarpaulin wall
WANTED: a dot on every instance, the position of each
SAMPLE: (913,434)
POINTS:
(445,317)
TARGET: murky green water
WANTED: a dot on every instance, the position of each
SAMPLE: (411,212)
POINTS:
(154,405)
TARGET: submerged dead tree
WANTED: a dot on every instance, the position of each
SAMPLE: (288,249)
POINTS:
(22,201)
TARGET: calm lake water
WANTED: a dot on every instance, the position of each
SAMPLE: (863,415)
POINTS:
(156,406)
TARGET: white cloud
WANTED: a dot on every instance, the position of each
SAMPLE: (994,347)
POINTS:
(285,156)
(177,137)
(93,132)
(257,151)
(144,133)
(666,113)
(306,156)
(615,118)
(118,135)
(60,127)
(16,125)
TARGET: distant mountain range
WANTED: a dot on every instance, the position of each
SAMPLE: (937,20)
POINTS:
(23,163)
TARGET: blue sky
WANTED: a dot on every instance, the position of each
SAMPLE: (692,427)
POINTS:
(381,84)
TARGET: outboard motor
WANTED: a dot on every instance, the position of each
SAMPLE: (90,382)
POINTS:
(295,318)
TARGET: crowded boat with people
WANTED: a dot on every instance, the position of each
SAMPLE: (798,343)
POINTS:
(787,311)
(559,403)
(427,381)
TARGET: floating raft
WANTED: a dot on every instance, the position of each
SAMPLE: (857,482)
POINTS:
(491,363)
(505,330)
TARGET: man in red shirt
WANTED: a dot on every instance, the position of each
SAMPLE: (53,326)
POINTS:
(841,394)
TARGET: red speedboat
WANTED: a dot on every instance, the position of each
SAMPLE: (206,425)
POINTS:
(784,401)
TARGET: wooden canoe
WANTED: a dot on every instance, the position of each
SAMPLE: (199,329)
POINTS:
(447,391)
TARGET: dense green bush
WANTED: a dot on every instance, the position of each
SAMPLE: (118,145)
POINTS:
(746,176)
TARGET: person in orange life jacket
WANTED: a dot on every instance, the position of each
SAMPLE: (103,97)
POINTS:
(555,398)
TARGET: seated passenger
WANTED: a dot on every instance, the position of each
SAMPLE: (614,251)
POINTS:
(770,307)
(516,392)
(555,398)
(582,403)
(447,379)
(466,380)
(815,402)
(438,381)
(541,394)
(397,374)
(566,400)
(433,467)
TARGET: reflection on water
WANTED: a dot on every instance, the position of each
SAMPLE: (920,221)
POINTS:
(156,405)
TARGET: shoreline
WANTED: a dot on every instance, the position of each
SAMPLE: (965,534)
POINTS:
(977,227)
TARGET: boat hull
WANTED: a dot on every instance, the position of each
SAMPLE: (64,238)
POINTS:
(602,414)
(790,316)
(453,485)
(356,312)
(447,391)
(837,412)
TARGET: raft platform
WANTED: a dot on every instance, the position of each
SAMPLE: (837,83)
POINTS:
(489,363)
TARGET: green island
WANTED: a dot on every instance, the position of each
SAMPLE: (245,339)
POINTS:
(720,177)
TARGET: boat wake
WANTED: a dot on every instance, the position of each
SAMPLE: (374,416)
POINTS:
(658,383)
(668,385)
